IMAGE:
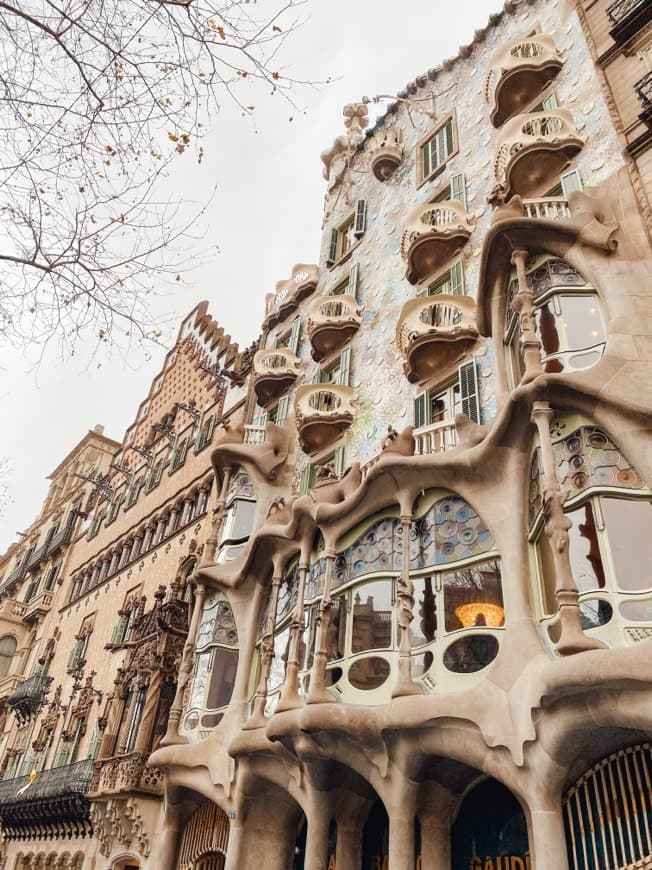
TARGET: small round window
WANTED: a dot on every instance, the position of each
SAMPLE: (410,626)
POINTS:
(470,654)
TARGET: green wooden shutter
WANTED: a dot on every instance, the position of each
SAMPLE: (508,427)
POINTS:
(458,188)
(420,410)
(307,476)
(332,256)
(282,409)
(456,279)
(571,181)
(338,461)
(345,366)
(352,288)
(360,218)
(468,376)
(296,332)
(426,158)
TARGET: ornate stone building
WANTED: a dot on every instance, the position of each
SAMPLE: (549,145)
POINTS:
(416,632)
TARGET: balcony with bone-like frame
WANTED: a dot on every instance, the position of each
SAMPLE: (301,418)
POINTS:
(434,333)
(434,233)
(322,413)
(518,71)
(385,153)
(290,293)
(275,370)
(332,322)
(533,151)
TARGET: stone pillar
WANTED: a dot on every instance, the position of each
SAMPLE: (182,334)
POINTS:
(257,718)
(217,520)
(150,709)
(318,693)
(401,842)
(317,841)
(405,685)
(290,694)
(349,845)
(166,841)
(572,638)
(523,305)
(435,843)
(547,837)
(172,735)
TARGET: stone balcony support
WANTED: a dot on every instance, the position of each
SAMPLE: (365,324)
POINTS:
(534,149)
(322,413)
(433,333)
(433,234)
(275,370)
(332,321)
(518,71)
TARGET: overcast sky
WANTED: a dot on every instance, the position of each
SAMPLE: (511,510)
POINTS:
(265,217)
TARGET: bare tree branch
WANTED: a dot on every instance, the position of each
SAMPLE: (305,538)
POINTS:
(99,99)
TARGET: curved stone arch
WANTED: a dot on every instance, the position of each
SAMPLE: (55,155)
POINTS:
(77,862)
(121,859)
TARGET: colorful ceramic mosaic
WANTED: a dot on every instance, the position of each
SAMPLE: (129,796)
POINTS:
(585,458)
(218,623)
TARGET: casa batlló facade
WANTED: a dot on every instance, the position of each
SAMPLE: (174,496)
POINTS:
(376,592)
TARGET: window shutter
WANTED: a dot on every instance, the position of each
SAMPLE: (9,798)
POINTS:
(338,461)
(296,332)
(456,282)
(458,188)
(282,409)
(420,410)
(426,158)
(306,478)
(345,365)
(352,288)
(550,102)
(469,391)
(332,256)
(360,218)
(571,181)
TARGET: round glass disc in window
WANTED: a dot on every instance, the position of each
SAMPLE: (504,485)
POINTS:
(191,721)
(595,612)
(369,673)
(471,654)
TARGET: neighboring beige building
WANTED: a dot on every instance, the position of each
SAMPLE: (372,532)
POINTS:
(411,627)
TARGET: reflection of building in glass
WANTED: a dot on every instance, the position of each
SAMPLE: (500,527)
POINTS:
(378,595)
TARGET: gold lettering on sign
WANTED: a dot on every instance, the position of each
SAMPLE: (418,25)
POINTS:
(499,862)
(381,862)
(331,863)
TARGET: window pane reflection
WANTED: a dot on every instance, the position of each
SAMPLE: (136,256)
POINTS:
(369,673)
(629,526)
(225,665)
(336,637)
(470,654)
(581,321)
(583,549)
(595,612)
(473,597)
(372,616)
(423,628)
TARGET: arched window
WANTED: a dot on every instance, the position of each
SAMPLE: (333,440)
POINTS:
(458,610)
(205,839)
(239,518)
(569,321)
(7,650)
(610,540)
(216,664)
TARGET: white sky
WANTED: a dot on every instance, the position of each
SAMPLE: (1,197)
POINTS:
(265,217)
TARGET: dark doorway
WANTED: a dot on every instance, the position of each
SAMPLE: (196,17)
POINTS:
(490,830)
(375,839)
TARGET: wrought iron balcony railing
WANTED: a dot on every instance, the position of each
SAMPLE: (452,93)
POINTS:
(627,17)
(643,89)
(53,802)
(29,695)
